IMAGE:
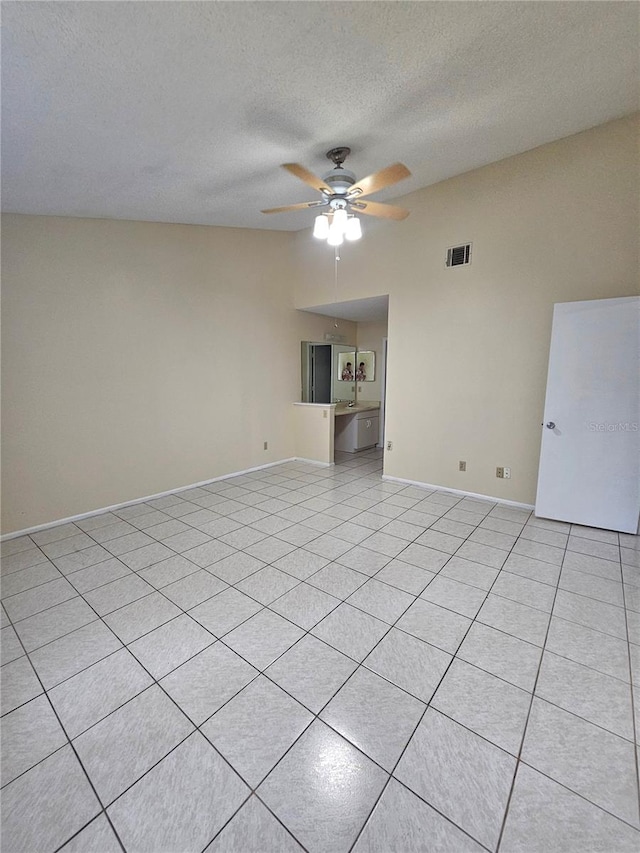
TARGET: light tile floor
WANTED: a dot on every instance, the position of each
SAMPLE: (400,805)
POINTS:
(310,658)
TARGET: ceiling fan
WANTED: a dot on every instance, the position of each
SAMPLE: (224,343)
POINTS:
(343,197)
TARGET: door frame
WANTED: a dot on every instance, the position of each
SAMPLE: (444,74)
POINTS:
(383,390)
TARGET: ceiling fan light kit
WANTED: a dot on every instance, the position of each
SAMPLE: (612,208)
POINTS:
(342,195)
(353,231)
(337,226)
(321,227)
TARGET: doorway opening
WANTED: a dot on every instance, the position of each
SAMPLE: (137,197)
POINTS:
(371,317)
(320,373)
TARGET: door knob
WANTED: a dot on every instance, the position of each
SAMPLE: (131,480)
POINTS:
(551,425)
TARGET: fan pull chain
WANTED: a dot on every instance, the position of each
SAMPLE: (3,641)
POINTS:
(335,281)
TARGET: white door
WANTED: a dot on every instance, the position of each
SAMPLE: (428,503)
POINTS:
(590,454)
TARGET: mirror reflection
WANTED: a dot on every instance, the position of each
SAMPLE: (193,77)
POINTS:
(366,364)
(331,372)
(322,369)
(346,370)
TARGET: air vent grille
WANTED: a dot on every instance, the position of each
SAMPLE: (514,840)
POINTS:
(459,255)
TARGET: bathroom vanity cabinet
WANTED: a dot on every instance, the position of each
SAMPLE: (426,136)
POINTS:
(356,428)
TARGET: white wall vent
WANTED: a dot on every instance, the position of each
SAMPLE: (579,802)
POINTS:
(459,255)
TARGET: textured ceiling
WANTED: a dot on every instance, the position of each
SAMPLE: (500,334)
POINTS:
(182,112)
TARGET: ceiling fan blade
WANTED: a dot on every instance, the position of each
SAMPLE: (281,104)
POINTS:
(303,206)
(379,180)
(308,177)
(376,208)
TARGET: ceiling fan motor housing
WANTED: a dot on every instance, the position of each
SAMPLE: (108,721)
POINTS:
(339,181)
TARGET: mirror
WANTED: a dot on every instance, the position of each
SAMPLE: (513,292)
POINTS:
(322,371)
(346,369)
(365,366)
(330,372)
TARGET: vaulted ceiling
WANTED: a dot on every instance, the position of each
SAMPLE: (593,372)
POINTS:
(183,111)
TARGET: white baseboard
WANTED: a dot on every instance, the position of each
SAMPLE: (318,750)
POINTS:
(81,516)
(177,491)
(492,498)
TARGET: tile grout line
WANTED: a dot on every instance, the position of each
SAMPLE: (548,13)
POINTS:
(259,602)
(207,568)
(155,682)
(428,705)
(80,531)
(71,745)
(369,577)
(316,715)
(359,664)
(259,672)
(262,605)
(217,638)
(113,556)
(526,725)
(631,684)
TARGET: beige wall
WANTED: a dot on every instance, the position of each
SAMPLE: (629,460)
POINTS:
(370,337)
(141,357)
(468,347)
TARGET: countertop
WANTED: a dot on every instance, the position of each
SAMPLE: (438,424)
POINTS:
(343,409)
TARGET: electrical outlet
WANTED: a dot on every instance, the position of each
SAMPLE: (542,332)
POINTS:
(500,473)
(266,445)
(324,413)
(507,473)
(389,445)
(462,466)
